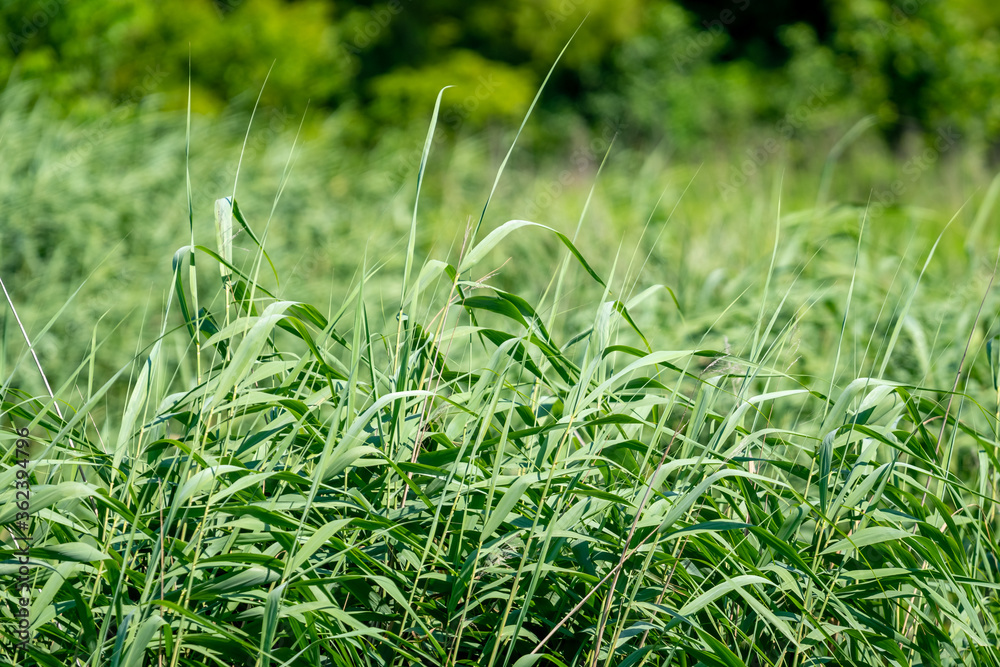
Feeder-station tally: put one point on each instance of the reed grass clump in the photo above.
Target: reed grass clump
(472, 483)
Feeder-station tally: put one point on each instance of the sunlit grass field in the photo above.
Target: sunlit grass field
(413, 407)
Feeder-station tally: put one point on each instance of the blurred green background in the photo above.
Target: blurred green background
(717, 112)
(682, 72)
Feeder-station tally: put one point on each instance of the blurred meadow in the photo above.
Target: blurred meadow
(772, 244)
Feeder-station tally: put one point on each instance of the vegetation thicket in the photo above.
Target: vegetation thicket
(699, 364)
(479, 478)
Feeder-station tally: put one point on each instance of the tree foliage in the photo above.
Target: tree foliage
(664, 68)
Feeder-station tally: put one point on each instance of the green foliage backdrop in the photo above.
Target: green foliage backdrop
(687, 71)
